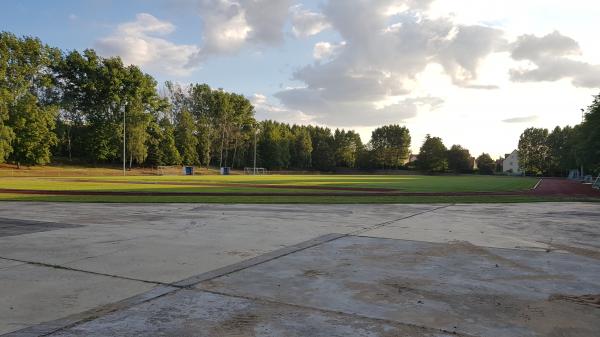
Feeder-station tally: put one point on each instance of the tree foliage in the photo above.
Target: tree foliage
(390, 146)
(485, 164)
(533, 151)
(459, 159)
(432, 155)
(27, 99)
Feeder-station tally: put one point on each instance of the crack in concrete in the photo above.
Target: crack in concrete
(56, 266)
(389, 222)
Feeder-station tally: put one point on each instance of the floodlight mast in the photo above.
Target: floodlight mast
(255, 133)
(123, 142)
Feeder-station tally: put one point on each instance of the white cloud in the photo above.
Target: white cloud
(325, 50)
(306, 23)
(524, 119)
(141, 42)
(266, 110)
(371, 80)
(551, 60)
(230, 25)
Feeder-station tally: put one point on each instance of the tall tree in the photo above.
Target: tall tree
(391, 145)
(28, 104)
(301, 147)
(432, 155)
(186, 139)
(323, 153)
(485, 164)
(167, 148)
(347, 146)
(533, 151)
(589, 138)
(274, 145)
(459, 159)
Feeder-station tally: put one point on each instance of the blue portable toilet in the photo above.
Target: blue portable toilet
(225, 171)
(188, 170)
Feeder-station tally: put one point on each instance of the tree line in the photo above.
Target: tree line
(74, 105)
(554, 153)
(80, 106)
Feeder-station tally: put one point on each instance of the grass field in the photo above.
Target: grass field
(288, 188)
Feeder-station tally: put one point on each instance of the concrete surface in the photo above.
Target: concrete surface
(193, 313)
(458, 287)
(118, 251)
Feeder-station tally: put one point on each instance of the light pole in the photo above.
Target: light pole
(123, 142)
(255, 133)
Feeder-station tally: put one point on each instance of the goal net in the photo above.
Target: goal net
(574, 175)
(167, 170)
(252, 170)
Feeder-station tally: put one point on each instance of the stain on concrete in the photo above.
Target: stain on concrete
(13, 227)
(458, 286)
(202, 314)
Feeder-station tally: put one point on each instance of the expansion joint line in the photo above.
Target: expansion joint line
(56, 266)
(389, 222)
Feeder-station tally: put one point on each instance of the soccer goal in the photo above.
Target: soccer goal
(596, 183)
(257, 170)
(164, 170)
(574, 174)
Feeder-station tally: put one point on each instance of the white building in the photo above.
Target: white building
(511, 163)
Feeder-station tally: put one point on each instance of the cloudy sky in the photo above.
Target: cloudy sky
(472, 72)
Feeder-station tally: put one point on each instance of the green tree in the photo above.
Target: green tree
(533, 151)
(186, 139)
(274, 145)
(432, 155)
(485, 164)
(562, 150)
(391, 145)
(459, 159)
(323, 153)
(33, 127)
(347, 147)
(161, 144)
(589, 138)
(27, 99)
(167, 148)
(301, 147)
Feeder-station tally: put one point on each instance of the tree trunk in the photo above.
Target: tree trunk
(222, 140)
(69, 142)
(234, 151)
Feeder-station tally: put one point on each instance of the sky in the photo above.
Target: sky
(475, 73)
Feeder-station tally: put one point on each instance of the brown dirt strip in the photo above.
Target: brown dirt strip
(547, 187)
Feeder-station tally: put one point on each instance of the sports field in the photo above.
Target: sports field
(277, 189)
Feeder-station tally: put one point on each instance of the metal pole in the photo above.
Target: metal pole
(123, 142)
(255, 132)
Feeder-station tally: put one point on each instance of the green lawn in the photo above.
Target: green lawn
(289, 184)
(239, 183)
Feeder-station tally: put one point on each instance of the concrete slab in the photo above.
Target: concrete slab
(525, 226)
(170, 242)
(197, 313)
(34, 294)
(167, 243)
(155, 243)
(455, 287)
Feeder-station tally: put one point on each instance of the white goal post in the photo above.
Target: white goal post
(257, 170)
(162, 170)
(596, 183)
